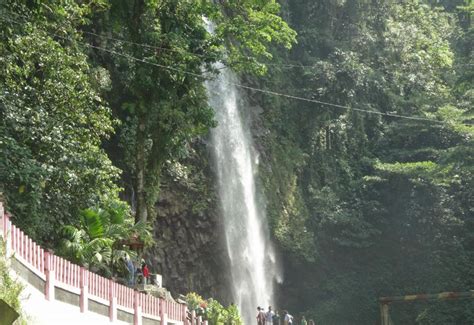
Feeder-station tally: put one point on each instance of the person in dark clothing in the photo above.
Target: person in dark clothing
(131, 271)
(276, 318)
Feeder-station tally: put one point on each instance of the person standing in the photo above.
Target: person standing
(303, 321)
(145, 272)
(131, 271)
(269, 316)
(276, 318)
(288, 319)
(260, 316)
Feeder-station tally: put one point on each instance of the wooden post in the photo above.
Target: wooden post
(384, 315)
(137, 319)
(112, 302)
(50, 277)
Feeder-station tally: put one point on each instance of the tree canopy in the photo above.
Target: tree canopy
(53, 118)
(369, 204)
(363, 122)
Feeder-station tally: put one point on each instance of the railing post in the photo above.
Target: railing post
(137, 319)
(112, 302)
(163, 314)
(84, 285)
(7, 234)
(2, 220)
(193, 317)
(4, 231)
(50, 276)
(184, 314)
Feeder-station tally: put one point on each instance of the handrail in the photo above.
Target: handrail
(58, 272)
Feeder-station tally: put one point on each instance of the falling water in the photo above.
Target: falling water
(252, 257)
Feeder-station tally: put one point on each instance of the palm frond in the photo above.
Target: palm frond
(92, 222)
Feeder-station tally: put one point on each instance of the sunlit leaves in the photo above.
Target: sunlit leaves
(99, 241)
(53, 121)
(250, 27)
(212, 311)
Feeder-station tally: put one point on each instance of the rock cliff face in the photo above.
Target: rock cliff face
(189, 250)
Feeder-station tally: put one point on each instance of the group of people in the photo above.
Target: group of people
(271, 317)
(135, 274)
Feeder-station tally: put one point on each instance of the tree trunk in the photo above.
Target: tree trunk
(142, 212)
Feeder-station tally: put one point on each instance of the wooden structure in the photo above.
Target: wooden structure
(385, 302)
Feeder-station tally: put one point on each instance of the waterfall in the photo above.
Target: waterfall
(252, 257)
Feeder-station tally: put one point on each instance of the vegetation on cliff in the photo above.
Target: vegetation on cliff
(103, 101)
(212, 310)
(365, 203)
(98, 98)
(10, 288)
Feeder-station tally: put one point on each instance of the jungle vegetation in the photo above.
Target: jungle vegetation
(369, 196)
(368, 205)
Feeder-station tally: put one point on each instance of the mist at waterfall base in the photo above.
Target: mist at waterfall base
(254, 268)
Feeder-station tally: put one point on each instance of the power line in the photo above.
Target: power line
(265, 91)
(181, 51)
(147, 45)
(293, 65)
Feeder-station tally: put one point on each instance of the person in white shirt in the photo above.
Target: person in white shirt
(288, 319)
(269, 316)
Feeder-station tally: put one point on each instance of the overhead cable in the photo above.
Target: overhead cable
(260, 90)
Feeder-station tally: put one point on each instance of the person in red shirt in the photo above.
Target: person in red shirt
(145, 272)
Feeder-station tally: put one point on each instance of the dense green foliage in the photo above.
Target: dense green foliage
(101, 242)
(80, 81)
(366, 205)
(362, 202)
(163, 104)
(52, 119)
(65, 62)
(10, 288)
(212, 310)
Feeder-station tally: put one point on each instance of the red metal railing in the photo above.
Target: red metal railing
(59, 272)
(25, 248)
(66, 272)
(124, 296)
